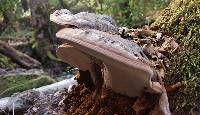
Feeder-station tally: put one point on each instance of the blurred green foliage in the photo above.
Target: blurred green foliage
(8, 5)
(11, 7)
(126, 12)
(130, 12)
(10, 31)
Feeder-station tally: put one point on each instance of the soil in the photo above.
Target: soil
(82, 100)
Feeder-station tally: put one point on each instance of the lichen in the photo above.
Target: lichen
(181, 18)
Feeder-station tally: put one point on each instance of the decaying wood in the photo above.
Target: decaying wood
(25, 99)
(18, 57)
(31, 72)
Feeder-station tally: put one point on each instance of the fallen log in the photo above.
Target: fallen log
(31, 72)
(24, 100)
(18, 57)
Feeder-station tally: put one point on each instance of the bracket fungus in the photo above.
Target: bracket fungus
(124, 67)
(84, 20)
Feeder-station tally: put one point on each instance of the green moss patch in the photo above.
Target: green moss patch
(182, 19)
(6, 62)
(10, 85)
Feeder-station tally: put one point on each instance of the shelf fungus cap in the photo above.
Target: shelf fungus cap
(127, 70)
(74, 57)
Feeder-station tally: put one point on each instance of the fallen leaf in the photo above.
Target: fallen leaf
(170, 45)
(149, 48)
(174, 87)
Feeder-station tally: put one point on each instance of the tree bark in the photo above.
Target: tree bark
(62, 4)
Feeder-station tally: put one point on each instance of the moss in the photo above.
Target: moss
(7, 82)
(10, 85)
(182, 19)
(6, 62)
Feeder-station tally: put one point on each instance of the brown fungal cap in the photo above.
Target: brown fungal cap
(125, 72)
(74, 57)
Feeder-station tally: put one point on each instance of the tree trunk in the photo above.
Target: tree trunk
(62, 4)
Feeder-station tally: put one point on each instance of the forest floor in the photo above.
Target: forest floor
(173, 50)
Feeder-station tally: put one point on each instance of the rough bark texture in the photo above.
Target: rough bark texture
(39, 7)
